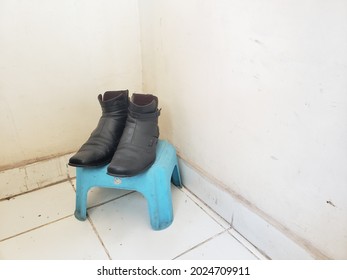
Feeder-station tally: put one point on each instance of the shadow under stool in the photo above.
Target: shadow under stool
(154, 184)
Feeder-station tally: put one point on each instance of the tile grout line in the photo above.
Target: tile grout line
(33, 190)
(70, 180)
(34, 228)
(201, 243)
(99, 238)
(248, 245)
(107, 201)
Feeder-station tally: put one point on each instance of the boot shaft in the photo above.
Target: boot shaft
(143, 103)
(114, 103)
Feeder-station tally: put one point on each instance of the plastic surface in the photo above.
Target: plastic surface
(154, 184)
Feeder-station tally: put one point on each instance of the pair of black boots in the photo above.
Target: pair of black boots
(126, 135)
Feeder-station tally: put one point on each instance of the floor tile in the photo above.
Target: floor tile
(221, 247)
(12, 182)
(66, 239)
(36, 208)
(124, 227)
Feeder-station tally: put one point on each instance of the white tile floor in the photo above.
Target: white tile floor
(41, 225)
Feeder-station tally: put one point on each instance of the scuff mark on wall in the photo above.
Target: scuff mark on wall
(330, 202)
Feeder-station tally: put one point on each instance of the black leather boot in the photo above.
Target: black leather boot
(137, 148)
(102, 143)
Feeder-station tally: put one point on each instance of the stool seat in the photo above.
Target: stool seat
(154, 184)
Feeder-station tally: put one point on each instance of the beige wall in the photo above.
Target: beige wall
(254, 92)
(55, 58)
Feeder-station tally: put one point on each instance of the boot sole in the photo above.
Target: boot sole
(90, 165)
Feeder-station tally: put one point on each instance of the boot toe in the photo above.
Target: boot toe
(127, 167)
(88, 159)
(77, 160)
(119, 171)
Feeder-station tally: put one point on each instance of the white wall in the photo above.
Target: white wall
(255, 94)
(55, 58)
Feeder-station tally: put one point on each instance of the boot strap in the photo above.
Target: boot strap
(143, 116)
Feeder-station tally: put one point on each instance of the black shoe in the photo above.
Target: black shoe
(137, 148)
(102, 143)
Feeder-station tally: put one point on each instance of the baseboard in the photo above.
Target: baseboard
(271, 240)
(36, 175)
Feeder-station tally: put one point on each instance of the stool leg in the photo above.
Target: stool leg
(176, 177)
(81, 206)
(159, 200)
(81, 197)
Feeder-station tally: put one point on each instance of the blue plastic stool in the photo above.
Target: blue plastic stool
(154, 184)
